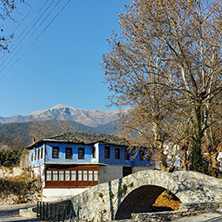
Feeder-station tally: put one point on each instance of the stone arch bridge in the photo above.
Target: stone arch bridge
(137, 192)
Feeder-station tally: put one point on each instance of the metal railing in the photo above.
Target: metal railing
(56, 212)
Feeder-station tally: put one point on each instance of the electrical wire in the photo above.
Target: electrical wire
(20, 24)
(9, 55)
(36, 39)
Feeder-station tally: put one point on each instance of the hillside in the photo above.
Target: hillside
(23, 130)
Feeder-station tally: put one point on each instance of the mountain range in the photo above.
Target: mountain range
(92, 118)
(57, 117)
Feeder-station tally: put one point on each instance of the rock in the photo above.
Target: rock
(28, 213)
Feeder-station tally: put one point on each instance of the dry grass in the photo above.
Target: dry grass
(168, 200)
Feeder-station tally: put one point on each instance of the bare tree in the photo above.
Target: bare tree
(6, 9)
(168, 53)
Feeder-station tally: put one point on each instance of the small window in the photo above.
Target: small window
(61, 175)
(48, 175)
(117, 153)
(32, 157)
(35, 154)
(41, 152)
(126, 154)
(67, 175)
(80, 175)
(38, 154)
(73, 175)
(54, 175)
(107, 152)
(55, 152)
(90, 175)
(68, 153)
(95, 176)
(81, 153)
(84, 175)
(94, 152)
(142, 155)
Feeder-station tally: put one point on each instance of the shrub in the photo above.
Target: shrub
(10, 157)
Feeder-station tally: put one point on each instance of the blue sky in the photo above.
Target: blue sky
(62, 66)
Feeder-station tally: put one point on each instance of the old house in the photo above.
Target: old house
(69, 163)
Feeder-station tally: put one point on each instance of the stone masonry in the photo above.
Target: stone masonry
(136, 193)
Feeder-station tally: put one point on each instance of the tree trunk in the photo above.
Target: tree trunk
(212, 166)
(197, 163)
(185, 161)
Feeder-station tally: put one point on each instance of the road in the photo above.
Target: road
(11, 213)
(207, 217)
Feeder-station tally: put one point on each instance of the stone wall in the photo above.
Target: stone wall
(189, 209)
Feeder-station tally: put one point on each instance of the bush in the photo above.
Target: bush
(19, 188)
(10, 157)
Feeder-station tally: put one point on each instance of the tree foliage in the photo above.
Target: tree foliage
(166, 62)
(10, 157)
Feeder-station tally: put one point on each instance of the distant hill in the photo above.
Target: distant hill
(92, 118)
(22, 130)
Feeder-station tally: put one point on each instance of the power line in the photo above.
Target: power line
(36, 39)
(26, 15)
(22, 22)
(9, 55)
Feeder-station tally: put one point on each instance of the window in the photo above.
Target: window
(94, 152)
(95, 176)
(55, 152)
(107, 152)
(142, 155)
(38, 154)
(35, 154)
(61, 175)
(81, 153)
(68, 153)
(90, 175)
(73, 175)
(84, 175)
(79, 174)
(117, 153)
(41, 152)
(31, 156)
(67, 175)
(54, 175)
(48, 175)
(126, 154)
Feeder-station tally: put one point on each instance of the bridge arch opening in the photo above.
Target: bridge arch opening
(139, 200)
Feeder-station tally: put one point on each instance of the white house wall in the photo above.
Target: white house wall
(96, 159)
(137, 169)
(40, 171)
(110, 172)
(55, 193)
